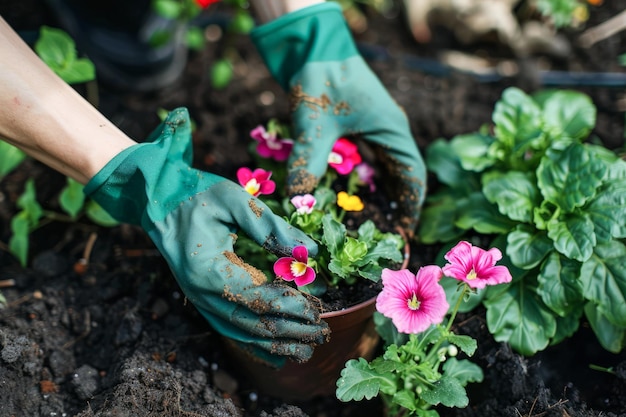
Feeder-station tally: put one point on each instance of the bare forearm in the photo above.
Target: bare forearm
(267, 10)
(49, 120)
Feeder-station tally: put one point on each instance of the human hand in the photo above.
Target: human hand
(192, 217)
(334, 93)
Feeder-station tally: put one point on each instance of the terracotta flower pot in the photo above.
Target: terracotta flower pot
(353, 335)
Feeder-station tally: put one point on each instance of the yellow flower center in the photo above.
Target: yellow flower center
(413, 303)
(349, 202)
(471, 275)
(298, 268)
(252, 186)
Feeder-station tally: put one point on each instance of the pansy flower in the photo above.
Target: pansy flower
(256, 182)
(365, 173)
(271, 146)
(349, 202)
(344, 156)
(413, 302)
(475, 266)
(303, 203)
(296, 267)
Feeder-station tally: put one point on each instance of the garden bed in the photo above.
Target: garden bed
(118, 338)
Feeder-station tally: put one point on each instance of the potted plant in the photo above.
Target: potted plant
(345, 274)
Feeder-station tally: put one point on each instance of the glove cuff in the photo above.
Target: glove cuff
(144, 183)
(313, 34)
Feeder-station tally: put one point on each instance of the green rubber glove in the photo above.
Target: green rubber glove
(334, 93)
(192, 217)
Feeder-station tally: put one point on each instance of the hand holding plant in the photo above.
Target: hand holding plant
(419, 368)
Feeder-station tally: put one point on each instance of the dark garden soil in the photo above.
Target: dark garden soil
(115, 337)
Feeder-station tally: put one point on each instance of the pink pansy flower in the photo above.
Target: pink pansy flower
(295, 268)
(475, 266)
(413, 302)
(303, 203)
(344, 156)
(366, 175)
(270, 146)
(256, 182)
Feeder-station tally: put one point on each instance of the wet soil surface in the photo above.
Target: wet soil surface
(116, 337)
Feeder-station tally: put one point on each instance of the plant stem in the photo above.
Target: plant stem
(456, 307)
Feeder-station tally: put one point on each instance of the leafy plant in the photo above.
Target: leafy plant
(556, 202)
(565, 13)
(57, 49)
(419, 368)
(345, 254)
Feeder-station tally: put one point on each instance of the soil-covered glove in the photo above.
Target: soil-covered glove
(334, 93)
(192, 217)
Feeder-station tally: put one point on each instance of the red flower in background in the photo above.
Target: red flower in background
(205, 3)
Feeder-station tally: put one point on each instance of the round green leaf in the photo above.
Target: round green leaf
(514, 192)
(518, 316)
(573, 236)
(527, 247)
(559, 285)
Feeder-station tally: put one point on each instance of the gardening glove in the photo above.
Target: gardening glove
(192, 217)
(333, 93)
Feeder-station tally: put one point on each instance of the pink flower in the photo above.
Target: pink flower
(475, 266)
(344, 156)
(366, 175)
(256, 182)
(413, 302)
(270, 146)
(295, 268)
(303, 203)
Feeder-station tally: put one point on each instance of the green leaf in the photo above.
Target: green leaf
(527, 247)
(169, 9)
(472, 151)
(560, 12)
(604, 281)
(567, 326)
(446, 391)
(608, 210)
(29, 204)
(517, 120)
(18, 243)
(436, 223)
(517, 315)
(194, 38)
(479, 214)
(81, 71)
(98, 215)
(241, 23)
(467, 344)
(515, 193)
(334, 234)
(463, 371)
(573, 236)
(221, 73)
(441, 159)
(359, 381)
(57, 49)
(72, 197)
(569, 177)
(10, 158)
(569, 113)
(559, 285)
(610, 336)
